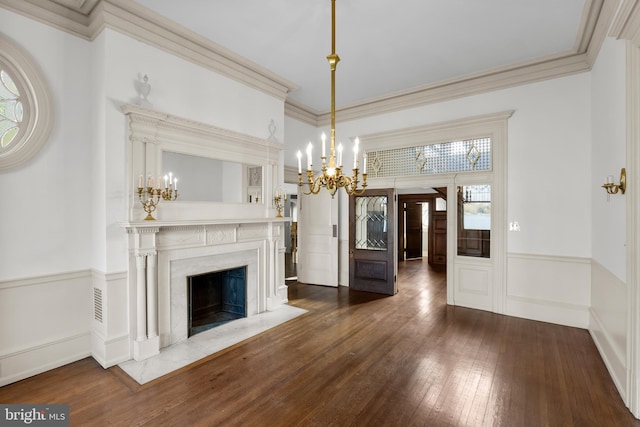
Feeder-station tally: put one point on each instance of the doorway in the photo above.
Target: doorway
(422, 226)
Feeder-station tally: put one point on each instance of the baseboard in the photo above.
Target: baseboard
(549, 288)
(548, 311)
(25, 363)
(612, 356)
(110, 352)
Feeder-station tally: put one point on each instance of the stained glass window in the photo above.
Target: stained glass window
(449, 157)
(11, 110)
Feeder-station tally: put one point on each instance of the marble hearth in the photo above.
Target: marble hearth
(164, 253)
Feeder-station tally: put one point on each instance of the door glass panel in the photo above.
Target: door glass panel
(474, 220)
(371, 223)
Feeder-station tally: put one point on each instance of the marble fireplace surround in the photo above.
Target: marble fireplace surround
(164, 253)
(181, 269)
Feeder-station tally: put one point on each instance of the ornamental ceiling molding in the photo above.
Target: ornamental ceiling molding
(627, 22)
(87, 18)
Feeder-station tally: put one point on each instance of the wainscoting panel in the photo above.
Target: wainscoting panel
(45, 322)
(551, 289)
(110, 338)
(608, 322)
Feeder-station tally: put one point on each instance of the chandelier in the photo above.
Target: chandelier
(331, 176)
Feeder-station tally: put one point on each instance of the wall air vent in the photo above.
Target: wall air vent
(97, 304)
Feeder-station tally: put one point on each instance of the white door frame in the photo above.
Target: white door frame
(491, 125)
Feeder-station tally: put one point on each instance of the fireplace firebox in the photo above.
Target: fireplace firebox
(216, 298)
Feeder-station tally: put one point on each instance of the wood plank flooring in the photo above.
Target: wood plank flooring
(359, 359)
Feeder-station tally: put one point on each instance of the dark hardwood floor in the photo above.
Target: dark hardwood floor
(358, 359)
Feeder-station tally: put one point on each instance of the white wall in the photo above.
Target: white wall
(46, 203)
(45, 230)
(62, 212)
(549, 186)
(608, 321)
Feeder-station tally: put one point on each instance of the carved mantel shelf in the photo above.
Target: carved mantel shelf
(159, 224)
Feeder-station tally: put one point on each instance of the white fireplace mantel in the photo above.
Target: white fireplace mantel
(163, 253)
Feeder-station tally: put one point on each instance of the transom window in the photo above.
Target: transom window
(449, 157)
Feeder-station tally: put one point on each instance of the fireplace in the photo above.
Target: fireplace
(216, 298)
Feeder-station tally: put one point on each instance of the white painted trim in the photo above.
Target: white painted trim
(550, 258)
(46, 279)
(542, 307)
(633, 227)
(134, 20)
(489, 125)
(37, 123)
(614, 364)
(24, 363)
(543, 310)
(604, 312)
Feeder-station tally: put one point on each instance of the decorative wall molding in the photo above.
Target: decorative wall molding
(608, 323)
(435, 133)
(549, 288)
(632, 195)
(142, 24)
(60, 334)
(196, 138)
(24, 363)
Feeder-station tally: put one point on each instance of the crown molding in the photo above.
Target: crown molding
(87, 18)
(140, 23)
(627, 22)
(301, 113)
(53, 14)
(595, 22)
(507, 77)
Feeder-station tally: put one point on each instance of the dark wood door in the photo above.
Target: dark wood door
(413, 242)
(438, 237)
(371, 242)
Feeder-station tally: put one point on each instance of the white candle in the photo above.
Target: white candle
(150, 181)
(309, 151)
(364, 163)
(340, 154)
(299, 156)
(609, 179)
(355, 156)
(159, 182)
(170, 178)
(166, 180)
(324, 138)
(175, 184)
(140, 181)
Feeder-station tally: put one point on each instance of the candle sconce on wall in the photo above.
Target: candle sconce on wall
(612, 188)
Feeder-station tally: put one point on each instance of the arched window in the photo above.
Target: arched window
(26, 114)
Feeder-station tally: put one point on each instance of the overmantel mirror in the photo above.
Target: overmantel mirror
(204, 179)
(214, 166)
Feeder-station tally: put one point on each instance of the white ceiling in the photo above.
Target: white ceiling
(385, 47)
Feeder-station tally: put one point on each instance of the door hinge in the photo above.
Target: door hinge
(335, 230)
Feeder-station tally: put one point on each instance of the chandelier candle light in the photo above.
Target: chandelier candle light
(151, 195)
(331, 177)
